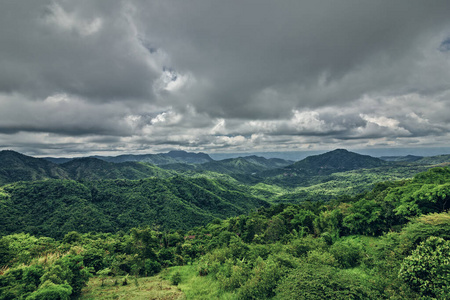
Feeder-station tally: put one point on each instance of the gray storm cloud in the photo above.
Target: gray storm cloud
(141, 76)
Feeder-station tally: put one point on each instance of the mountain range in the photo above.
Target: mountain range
(39, 196)
(248, 169)
(172, 157)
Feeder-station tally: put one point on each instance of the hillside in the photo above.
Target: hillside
(55, 207)
(16, 167)
(407, 158)
(171, 157)
(389, 243)
(339, 160)
(315, 169)
(240, 165)
(95, 169)
(434, 160)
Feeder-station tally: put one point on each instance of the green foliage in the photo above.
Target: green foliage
(364, 218)
(353, 247)
(57, 207)
(176, 278)
(69, 269)
(418, 230)
(330, 222)
(103, 274)
(151, 267)
(263, 279)
(51, 291)
(348, 253)
(65, 276)
(427, 269)
(312, 281)
(18, 167)
(5, 252)
(72, 237)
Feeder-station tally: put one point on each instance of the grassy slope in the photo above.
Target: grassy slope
(141, 288)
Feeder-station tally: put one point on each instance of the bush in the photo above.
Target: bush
(323, 282)
(151, 267)
(348, 253)
(262, 280)
(427, 269)
(51, 291)
(176, 278)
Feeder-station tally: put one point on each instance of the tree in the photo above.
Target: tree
(427, 269)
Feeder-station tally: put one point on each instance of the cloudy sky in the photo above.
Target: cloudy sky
(113, 77)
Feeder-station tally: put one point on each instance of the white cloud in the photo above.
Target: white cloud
(71, 22)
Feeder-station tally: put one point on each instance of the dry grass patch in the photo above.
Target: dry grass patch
(141, 288)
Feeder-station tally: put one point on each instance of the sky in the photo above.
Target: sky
(92, 77)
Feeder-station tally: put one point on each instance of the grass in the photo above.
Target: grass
(143, 288)
(191, 286)
(198, 287)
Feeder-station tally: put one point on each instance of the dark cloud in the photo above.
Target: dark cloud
(84, 48)
(144, 76)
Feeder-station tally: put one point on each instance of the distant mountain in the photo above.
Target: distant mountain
(17, 167)
(407, 158)
(189, 157)
(434, 160)
(315, 169)
(233, 165)
(90, 168)
(156, 159)
(241, 165)
(57, 160)
(339, 160)
(269, 163)
(172, 157)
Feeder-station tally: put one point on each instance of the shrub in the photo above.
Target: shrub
(427, 269)
(51, 291)
(176, 278)
(348, 253)
(323, 282)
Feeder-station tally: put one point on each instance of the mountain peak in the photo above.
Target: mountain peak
(189, 157)
(339, 150)
(338, 160)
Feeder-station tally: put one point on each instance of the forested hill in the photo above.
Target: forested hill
(55, 207)
(240, 165)
(171, 157)
(95, 169)
(313, 168)
(16, 167)
(390, 243)
(339, 160)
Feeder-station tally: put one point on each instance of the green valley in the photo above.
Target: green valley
(338, 225)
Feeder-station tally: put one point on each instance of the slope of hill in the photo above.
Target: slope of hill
(338, 160)
(240, 165)
(390, 243)
(189, 157)
(161, 158)
(407, 158)
(434, 160)
(315, 169)
(55, 207)
(16, 167)
(90, 168)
